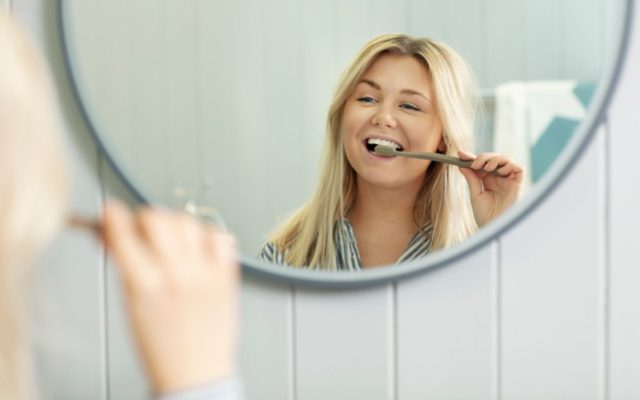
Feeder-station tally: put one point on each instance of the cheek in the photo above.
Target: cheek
(431, 133)
(346, 140)
(343, 133)
(350, 144)
(353, 120)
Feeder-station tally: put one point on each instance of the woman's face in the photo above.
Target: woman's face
(392, 104)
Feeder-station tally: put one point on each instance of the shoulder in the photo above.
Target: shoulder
(420, 245)
(271, 253)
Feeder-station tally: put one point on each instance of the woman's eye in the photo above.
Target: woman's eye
(366, 99)
(409, 106)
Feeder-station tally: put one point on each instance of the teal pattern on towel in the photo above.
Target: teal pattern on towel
(555, 137)
(584, 92)
(550, 145)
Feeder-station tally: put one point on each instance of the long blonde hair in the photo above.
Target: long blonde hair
(443, 201)
(32, 192)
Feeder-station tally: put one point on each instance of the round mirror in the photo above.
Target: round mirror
(221, 107)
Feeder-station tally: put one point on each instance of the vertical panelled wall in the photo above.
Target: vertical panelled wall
(546, 311)
(622, 188)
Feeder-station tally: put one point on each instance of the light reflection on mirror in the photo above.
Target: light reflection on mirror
(233, 96)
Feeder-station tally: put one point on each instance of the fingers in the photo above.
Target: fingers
(161, 241)
(172, 236)
(221, 250)
(219, 245)
(510, 169)
(488, 162)
(122, 239)
(492, 163)
(465, 155)
(158, 233)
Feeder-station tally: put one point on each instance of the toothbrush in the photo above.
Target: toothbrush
(390, 151)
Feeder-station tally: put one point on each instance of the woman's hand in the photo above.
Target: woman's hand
(494, 184)
(180, 279)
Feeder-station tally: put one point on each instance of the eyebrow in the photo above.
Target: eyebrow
(403, 91)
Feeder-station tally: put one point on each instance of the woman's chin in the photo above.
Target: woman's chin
(388, 183)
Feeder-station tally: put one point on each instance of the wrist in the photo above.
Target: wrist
(184, 377)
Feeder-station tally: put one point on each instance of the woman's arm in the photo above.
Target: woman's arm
(180, 281)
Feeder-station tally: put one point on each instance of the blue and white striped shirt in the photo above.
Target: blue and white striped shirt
(347, 255)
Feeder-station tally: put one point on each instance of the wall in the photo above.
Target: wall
(548, 310)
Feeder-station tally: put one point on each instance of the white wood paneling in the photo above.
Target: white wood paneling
(505, 54)
(583, 39)
(147, 74)
(240, 128)
(384, 17)
(181, 97)
(344, 344)
(267, 340)
(279, 124)
(125, 376)
(446, 330)
(543, 47)
(125, 373)
(466, 31)
(69, 329)
(428, 18)
(550, 264)
(613, 12)
(623, 194)
(215, 94)
(347, 38)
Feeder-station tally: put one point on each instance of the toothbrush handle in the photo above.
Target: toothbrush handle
(435, 157)
(440, 158)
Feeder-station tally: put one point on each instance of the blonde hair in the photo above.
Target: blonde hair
(32, 192)
(443, 201)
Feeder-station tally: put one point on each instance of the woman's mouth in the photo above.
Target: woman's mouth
(371, 144)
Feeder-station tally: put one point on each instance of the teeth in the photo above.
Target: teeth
(383, 142)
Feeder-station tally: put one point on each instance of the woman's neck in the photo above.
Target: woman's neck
(383, 222)
(384, 206)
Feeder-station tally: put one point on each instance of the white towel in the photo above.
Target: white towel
(524, 109)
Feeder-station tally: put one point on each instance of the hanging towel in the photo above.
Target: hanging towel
(535, 119)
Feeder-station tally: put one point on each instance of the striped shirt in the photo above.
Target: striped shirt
(347, 255)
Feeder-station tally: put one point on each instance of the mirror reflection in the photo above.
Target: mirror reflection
(369, 209)
(268, 113)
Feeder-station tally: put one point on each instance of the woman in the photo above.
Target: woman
(179, 277)
(368, 210)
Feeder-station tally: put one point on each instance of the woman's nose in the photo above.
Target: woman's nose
(384, 117)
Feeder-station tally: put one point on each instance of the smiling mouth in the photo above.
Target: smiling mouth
(371, 144)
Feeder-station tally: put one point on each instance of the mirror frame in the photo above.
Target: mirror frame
(388, 274)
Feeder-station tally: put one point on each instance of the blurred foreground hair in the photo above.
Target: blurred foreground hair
(33, 192)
